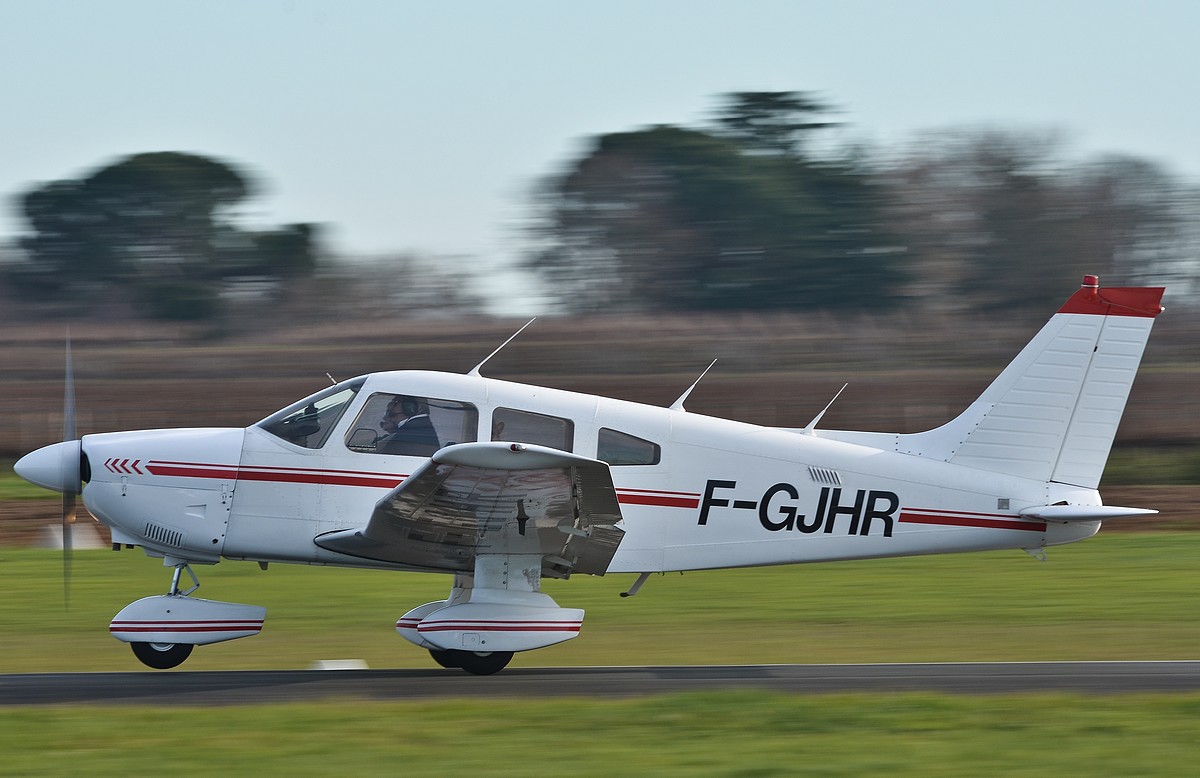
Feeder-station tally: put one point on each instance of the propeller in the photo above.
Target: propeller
(72, 480)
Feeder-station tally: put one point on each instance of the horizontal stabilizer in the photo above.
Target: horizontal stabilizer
(1084, 512)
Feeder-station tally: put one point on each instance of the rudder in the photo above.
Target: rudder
(1052, 414)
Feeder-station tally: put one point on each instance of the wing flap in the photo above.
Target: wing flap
(494, 498)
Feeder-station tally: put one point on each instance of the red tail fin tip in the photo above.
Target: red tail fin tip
(1143, 301)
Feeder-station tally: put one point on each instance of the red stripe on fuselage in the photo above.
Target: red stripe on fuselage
(185, 470)
(659, 500)
(291, 475)
(965, 519)
(329, 478)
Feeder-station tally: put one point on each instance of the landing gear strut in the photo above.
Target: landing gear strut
(164, 656)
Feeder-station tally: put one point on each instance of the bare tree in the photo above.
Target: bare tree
(1001, 219)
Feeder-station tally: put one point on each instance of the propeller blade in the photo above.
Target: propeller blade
(70, 488)
(68, 519)
(69, 397)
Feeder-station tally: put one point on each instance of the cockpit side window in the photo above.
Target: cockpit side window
(410, 425)
(621, 448)
(309, 422)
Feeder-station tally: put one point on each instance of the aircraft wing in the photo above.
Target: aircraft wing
(494, 498)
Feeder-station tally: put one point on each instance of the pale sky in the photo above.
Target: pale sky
(422, 127)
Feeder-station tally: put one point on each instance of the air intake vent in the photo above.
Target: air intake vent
(162, 536)
(825, 476)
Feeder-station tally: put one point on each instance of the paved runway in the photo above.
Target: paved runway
(225, 688)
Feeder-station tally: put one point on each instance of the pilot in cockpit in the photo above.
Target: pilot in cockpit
(407, 428)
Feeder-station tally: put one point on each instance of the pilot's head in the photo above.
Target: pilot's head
(399, 410)
(409, 406)
(392, 416)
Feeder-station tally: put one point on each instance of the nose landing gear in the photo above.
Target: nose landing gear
(162, 630)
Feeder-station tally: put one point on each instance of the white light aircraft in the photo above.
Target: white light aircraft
(502, 484)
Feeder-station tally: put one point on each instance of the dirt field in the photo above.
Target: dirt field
(906, 372)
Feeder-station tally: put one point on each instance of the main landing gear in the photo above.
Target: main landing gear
(490, 615)
(162, 630)
(162, 656)
(473, 662)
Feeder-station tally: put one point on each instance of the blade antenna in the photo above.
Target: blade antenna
(678, 404)
(812, 425)
(70, 490)
(475, 370)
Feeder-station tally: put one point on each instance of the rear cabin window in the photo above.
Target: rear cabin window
(621, 448)
(410, 425)
(537, 428)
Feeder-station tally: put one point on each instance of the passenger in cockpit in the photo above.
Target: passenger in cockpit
(407, 428)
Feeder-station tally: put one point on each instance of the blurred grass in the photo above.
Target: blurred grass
(725, 733)
(13, 487)
(1120, 596)
(1153, 465)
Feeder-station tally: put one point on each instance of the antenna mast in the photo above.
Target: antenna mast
(475, 370)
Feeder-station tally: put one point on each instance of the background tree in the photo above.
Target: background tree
(1145, 221)
(1003, 219)
(735, 217)
(284, 254)
(157, 227)
(397, 286)
(771, 122)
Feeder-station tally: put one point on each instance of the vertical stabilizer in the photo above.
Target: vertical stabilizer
(1053, 413)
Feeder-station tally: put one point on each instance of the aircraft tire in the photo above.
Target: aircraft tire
(445, 659)
(162, 656)
(482, 664)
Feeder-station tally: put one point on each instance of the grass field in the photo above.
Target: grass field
(1121, 596)
(731, 733)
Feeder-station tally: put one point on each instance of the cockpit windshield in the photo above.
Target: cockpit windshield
(309, 422)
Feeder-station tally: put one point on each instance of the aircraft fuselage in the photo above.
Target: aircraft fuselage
(695, 491)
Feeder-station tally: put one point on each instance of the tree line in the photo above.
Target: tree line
(158, 228)
(753, 210)
(749, 213)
